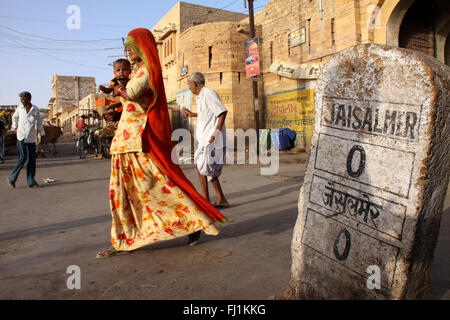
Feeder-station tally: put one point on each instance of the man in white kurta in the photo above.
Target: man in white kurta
(25, 120)
(210, 134)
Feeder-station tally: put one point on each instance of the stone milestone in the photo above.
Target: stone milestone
(371, 203)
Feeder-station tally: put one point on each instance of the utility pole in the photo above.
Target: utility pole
(254, 79)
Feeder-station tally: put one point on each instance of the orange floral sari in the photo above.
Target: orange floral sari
(150, 197)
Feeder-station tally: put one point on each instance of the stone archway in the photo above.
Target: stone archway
(443, 41)
(417, 30)
(394, 13)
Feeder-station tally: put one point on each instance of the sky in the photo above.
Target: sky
(42, 38)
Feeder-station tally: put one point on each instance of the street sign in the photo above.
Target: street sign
(377, 176)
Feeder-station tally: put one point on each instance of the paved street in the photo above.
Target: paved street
(64, 223)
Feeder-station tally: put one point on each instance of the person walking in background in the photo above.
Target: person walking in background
(25, 120)
(81, 123)
(2, 140)
(150, 197)
(210, 134)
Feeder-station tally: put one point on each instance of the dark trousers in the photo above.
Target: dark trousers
(2, 148)
(27, 153)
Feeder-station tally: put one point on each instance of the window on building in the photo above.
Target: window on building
(271, 52)
(221, 77)
(309, 35)
(333, 41)
(209, 56)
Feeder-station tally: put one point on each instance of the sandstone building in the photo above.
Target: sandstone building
(67, 94)
(290, 66)
(176, 50)
(296, 38)
(167, 33)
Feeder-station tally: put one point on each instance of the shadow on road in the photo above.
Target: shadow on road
(16, 234)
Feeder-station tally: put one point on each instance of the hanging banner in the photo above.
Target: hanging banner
(252, 58)
(184, 101)
(293, 109)
(297, 37)
(296, 71)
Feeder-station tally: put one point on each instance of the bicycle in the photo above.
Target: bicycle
(87, 142)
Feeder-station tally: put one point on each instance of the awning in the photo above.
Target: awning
(296, 71)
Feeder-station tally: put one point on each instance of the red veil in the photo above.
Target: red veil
(157, 134)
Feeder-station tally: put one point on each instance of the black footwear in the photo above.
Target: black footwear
(193, 238)
(12, 184)
(34, 185)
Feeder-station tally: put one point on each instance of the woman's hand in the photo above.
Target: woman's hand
(111, 115)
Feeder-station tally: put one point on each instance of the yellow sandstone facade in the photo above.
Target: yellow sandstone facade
(68, 91)
(296, 38)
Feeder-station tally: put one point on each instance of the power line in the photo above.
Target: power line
(8, 36)
(16, 41)
(60, 59)
(57, 40)
(64, 22)
(228, 4)
(214, 10)
(245, 11)
(59, 49)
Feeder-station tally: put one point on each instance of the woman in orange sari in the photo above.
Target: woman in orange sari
(150, 197)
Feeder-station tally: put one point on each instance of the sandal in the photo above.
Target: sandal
(193, 238)
(215, 204)
(109, 252)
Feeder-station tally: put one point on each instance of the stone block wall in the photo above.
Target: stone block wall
(166, 33)
(192, 14)
(329, 28)
(68, 91)
(181, 17)
(217, 50)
